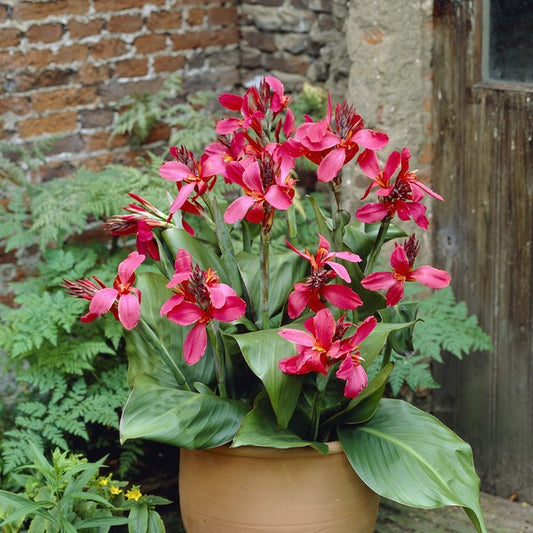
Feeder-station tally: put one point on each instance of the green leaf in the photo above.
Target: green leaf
(138, 519)
(393, 232)
(179, 418)
(373, 344)
(407, 455)
(401, 341)
(260, 428)
(154, 348)
(24, 507)
(201, 252)
(155, 523)
(363, 407)
(102, 521)
(263, 350)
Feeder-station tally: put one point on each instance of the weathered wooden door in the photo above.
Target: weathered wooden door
(483, 62)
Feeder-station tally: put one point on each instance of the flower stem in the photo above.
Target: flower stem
(220, 364)
(265, 261)
(378, 244)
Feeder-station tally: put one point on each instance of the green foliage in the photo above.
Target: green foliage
(190, 119)
(448, 327)
(16, 161)
(68, 494)
(54, 211)
(445, 325)
(56, 409)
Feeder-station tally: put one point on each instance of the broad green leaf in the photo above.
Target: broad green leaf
(260, 428)
(358, 241)
(179, 418)
(154, 347)
(138, 519)
(373, 344)
(401, 341)
(155, 523)
(263, 350)
(363, 407)
(201, 252)
(393, 232)
(407, 455)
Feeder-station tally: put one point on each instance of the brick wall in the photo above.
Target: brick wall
(65, 63)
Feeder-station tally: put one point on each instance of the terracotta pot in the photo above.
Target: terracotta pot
(265, 490)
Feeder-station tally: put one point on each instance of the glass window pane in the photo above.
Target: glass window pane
(509, 40)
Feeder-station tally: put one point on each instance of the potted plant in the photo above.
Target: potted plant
(243, 344)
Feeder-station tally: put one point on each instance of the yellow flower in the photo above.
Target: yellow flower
(134, 494)
(114, 489)
(104, 481)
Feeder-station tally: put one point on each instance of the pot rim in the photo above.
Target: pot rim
(334, 447)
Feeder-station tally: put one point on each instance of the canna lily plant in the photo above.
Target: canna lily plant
(236, 336)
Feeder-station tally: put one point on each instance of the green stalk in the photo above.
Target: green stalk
(378, 244)
(265, 261)
(220, 363)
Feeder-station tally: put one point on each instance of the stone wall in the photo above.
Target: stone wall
(65, 63)
(295, 40)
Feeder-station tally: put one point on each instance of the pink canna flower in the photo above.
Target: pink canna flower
(324, 346)
(122, 300)
(199, 298)
(401, 196)
(402, 260)
(331, 147)
(190, 175)
(141, 221)
(316, 290)
(267, 184)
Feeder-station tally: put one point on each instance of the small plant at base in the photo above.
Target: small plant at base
(68, 494)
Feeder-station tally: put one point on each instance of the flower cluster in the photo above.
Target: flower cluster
(212, 293)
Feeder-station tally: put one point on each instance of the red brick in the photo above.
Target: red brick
(101, 140)
(31, 10)
(9, 37)
(107, 48)
(55, 123)
(115, 90)
(169, 63)
(90, 74)
(119, 5)
(45, 33)
(222, 16)
(44, 78)
(3, 12)
(79, 30)
(131, 67)
(72, 53)
(18, 105)
(63, 98)
(146, 44)
(203, 39)
(125, 24)
(160, 132)
(195, 17)
(164, 20)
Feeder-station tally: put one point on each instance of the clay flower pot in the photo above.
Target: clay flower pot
(266, 490)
